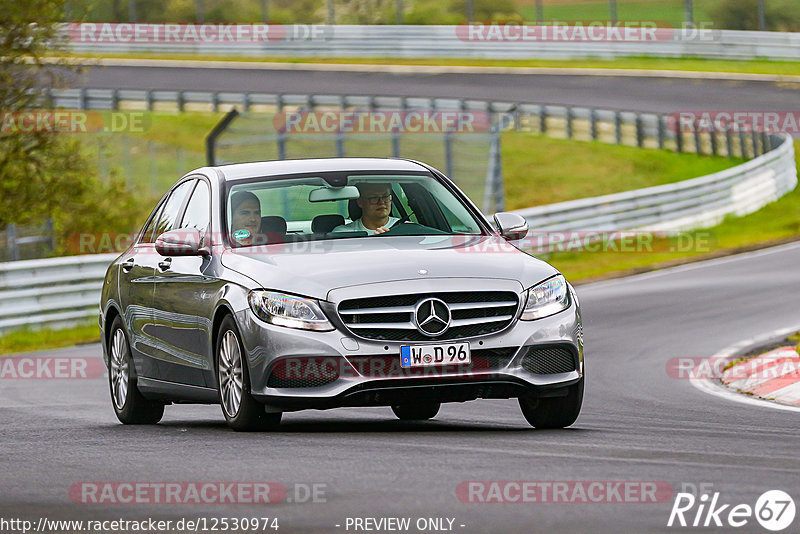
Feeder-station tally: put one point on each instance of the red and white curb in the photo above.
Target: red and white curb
(773, 376)
(714, 387)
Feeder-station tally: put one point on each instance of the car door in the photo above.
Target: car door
(136, 295)
(158, 349)
(184, 291)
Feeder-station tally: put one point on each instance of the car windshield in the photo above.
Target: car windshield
(280, 210)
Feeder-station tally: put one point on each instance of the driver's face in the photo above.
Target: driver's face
(376, 201)
(247, 216)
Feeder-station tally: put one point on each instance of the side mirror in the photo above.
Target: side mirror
(511, 225)
(184, 242)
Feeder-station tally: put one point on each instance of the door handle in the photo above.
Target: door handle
(127, 265)
(164, 264)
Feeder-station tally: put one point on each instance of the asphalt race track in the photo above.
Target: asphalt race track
(638, 424)
(613, 92)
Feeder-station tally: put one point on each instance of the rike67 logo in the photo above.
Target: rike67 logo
(774, 510)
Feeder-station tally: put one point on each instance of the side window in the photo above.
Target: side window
(197, 214)
(147, 233)
(172, 207)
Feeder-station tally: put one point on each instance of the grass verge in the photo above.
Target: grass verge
(45, 339)
(542, 170)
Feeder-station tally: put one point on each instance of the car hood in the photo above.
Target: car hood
(314, 268)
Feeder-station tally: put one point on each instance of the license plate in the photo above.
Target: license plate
(431, 355)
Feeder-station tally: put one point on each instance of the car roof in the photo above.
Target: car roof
(240, 171)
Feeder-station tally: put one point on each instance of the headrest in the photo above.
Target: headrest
(322, 224)
(273, 224)
(353, 210)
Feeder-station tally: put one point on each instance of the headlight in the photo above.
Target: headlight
(547, 298)
(288, 310)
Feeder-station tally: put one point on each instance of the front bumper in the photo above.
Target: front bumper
(297, 369)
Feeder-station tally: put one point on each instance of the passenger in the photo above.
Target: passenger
(245, 218)
(375, 202)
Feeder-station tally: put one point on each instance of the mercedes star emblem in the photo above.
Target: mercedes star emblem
(432, 317)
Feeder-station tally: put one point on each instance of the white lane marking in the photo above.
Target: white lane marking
(713, 388)
(692, 266)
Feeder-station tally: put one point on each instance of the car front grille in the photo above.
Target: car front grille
(388, 366)
(548, 360)
(390, 318)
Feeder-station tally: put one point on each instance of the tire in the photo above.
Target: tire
(242, 412)
(128, 403)
(416, 412)
(553, 412)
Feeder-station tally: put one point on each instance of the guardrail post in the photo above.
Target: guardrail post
(279, 102)
(49, 101)
(215, 101)
(754, 140)
(281, 144)
(712, 135)
(339, 143)
(396, 133)
(11, 238)
(729, 141)
(542, 119)
(698, 143)
(181, 101)
(660, 120)
(593, 123)
(246, 101)
(742, 144)
(82, 98)
(679, 140)
(448, 153)
(568, 119)
(517, 117)
(639, 130)
(115, 99)
(618, 127)
(151, 100)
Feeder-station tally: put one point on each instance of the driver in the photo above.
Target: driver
(375, 202)
(245, 217)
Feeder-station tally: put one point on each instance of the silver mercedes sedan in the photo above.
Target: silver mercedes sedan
(287, 285)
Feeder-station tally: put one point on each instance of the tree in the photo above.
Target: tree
(37, 170)
(47, 175)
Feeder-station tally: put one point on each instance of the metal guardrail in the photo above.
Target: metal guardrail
(53, 292)
(696, 203)
(456, 41)
(645, 130)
